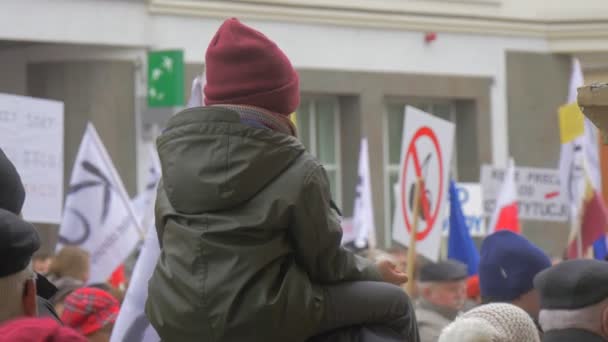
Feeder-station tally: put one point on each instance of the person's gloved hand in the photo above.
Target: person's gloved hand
(390, 273)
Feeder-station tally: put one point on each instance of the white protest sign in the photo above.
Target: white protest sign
(98, 215)
(471, 199)
(426, 152)
(538, 193)
(31, 135)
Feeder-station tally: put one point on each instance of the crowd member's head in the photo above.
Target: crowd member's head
(444, 284)
(70, 263)
(37, 330)
(91, 312)
(18, 242)
(574, 301)
(12, 195)
(42, 263)
(499, 322)
(507, 266)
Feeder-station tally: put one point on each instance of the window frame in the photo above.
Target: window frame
(336, 167)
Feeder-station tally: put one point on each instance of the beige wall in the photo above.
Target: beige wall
(537, 85)
(596, 76)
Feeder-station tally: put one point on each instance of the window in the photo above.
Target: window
(392, 155)
(318, 129)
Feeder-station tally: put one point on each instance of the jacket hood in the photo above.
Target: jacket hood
(212, 162)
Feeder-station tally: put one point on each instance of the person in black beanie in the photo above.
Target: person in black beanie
(12, 198)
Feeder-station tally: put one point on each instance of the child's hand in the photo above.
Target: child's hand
(390, 273)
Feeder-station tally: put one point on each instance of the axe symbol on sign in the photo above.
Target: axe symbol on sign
(411, 199)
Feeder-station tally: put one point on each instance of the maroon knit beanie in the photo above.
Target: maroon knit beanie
(244, 67)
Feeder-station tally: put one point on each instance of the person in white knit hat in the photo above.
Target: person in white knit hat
(498, 322)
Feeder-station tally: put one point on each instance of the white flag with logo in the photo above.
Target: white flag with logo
(98, 216)
(132, 324)
(143, 203)
(363, 216)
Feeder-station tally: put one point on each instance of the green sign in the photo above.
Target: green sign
(166, 78)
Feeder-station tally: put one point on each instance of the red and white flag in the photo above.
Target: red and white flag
(505, 215)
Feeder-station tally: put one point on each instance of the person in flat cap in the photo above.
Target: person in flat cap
(508, 264)
(574, 301)
(12, 198)
(18, 242)
(442, 294)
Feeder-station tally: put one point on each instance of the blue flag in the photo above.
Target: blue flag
(461, 246)
(599, 248)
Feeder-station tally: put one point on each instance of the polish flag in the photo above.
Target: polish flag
(505, 215)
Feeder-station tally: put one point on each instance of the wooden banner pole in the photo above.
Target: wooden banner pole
(411, 251)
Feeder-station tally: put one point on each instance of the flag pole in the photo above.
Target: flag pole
(411, 252)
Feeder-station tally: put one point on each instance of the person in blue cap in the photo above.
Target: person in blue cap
(507, 267)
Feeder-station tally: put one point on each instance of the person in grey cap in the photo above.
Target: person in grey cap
(574, 301)
(442, 291)
(18, 242)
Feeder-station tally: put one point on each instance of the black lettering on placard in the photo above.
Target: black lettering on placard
(41, 190)
(489, 206)
(498, 174)
(35, 120)
(543, 178)
(541, 209)
(7, 116)
(39, 159)
(525, 190)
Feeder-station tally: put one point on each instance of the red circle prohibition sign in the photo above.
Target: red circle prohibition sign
(413, 153)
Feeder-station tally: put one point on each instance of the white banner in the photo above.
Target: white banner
(132, 324)
(426, 152)
(471, 199)
(31, 135)
(98, 216)
(538, 193)
(362, 231)
(143, 203)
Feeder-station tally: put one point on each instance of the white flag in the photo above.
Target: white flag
(586, 144)
(506, 216)
(143, 203)
(363, 216)
(132, 324)
(197, 97)
(98, 216)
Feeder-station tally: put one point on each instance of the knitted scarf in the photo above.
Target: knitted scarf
(261, 118)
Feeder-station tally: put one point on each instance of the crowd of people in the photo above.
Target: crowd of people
(250, 244)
